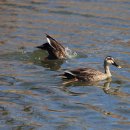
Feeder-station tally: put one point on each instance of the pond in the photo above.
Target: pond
(32, 97)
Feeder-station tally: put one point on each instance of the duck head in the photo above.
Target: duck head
(111, 61)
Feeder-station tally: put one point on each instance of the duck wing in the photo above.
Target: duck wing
(53, 43)
(57, 48)
(85, 74)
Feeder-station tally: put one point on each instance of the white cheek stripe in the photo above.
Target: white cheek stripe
(111, 62)
(50, 43)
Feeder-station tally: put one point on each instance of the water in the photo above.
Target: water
(31, 96)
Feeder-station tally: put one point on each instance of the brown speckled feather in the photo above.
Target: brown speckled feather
(88, 74)
(58, 50)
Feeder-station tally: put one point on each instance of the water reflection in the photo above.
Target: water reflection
(104, 85)
(116, 90)
(110, 90)
(68, 86)
(52, 65)
(39, 58)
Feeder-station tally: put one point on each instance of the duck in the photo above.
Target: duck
(90, 74)
(54, 49)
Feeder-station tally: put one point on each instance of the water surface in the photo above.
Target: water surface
(31, 96)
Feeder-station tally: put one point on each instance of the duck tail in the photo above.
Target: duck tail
(48, 36)
(69, 75)
(66, 75)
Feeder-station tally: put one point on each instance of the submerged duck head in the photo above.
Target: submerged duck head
(109, 60)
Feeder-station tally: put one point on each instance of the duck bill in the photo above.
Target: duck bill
(115, 64)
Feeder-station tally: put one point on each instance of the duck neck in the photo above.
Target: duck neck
(107, 69)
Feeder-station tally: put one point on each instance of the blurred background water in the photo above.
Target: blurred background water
(31, 97)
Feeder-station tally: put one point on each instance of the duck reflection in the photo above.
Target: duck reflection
(68, 85)
(105, 86)
(38, 59)
(52, 65)
(110, 90)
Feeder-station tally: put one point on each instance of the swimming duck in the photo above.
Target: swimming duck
(54, 49)
(89, 74)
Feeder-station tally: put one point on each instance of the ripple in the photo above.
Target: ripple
(32, 96)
